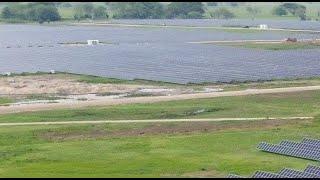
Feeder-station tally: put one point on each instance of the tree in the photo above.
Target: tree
(212, 3)
(296, 10)
(47, 14)
(234, 4)
(194, 15)
(83, 11)
(279, 11)
(88, 9)
(253, 11)
(6, 13)
(181, 9)
(66, 5)
(222, 13)
(301, 13)
(40, 12)
(293, 8)
(100, 12)
(138, 10)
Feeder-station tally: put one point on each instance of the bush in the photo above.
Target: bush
(182, 9)
(212, 3)
(100, 12)
(279, 11)
(138, 10)
(222, 13)
(194, 15)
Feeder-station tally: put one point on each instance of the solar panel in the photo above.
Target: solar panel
(263, 174)
(296, 174)
(234, 176)
(313, 169)
(315, 142)
(299, 145)
(290, 151)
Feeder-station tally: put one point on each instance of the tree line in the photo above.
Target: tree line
(47, 12)
(40, 12)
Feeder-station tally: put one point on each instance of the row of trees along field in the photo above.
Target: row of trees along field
(40, 12)
(47, 12)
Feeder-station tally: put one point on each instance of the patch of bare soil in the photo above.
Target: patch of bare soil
(52, 84)
(167, 128)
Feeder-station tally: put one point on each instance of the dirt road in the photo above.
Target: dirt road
(249, 40)
(153, 120)
(152, 99)
(190, 27)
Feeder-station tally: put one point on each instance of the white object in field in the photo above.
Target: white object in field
(155, 90)
(213, 89)
(92, 42)
(263, 26)
(52, 71)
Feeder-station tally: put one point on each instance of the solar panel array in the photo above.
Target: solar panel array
(295, 173)
(307, 148)
(315, 142)
(234, 176)
(289, 151)
(263, 174)
(311, 171)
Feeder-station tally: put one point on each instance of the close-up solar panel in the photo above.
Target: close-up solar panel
(297, 174)
(315, 142)
(313, 169)
(299, 145)
(263, 174)
(285, 150)
(234, 176)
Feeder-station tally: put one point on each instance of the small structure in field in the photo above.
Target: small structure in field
(52, 71)
(92, 42)
(263, 26)
(291, 40)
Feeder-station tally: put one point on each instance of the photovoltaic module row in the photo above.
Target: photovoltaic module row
(297, 174)
(311, 171)
(289, 151)
(307, 148)
(315, 142)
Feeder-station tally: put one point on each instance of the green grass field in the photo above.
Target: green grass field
(5, 100)
(110, 150)
(274, 46)
(27, 152)
(242, 106)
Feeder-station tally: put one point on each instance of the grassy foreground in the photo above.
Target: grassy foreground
(112, 150)
(269, 105)
(28, 152)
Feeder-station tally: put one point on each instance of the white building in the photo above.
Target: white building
(263, 26)
(92, 42)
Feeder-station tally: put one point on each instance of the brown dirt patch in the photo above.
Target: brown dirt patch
(99, 131)
(55, 84)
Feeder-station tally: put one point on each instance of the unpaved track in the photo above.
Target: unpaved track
(249, 40)
(108, 102)
(191, 27)
(152, 121)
